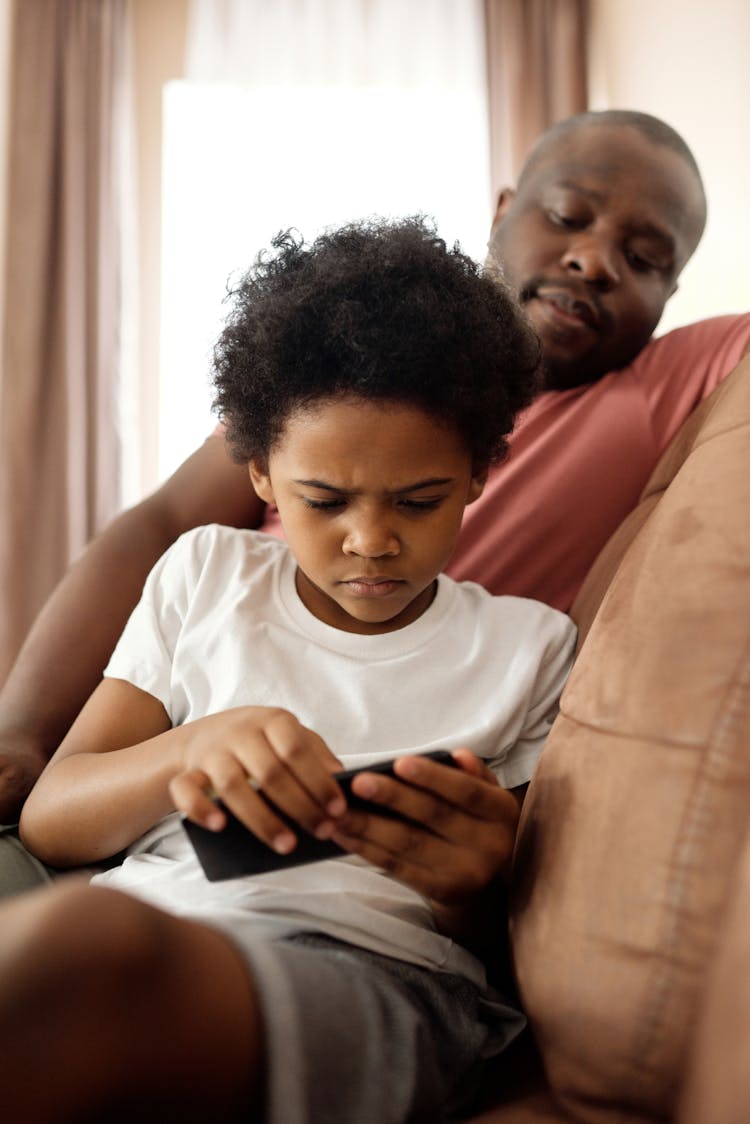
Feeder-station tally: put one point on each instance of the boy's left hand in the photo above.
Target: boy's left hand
(466, 842)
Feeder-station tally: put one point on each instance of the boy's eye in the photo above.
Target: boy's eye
(405, 503)
(322, 505)
(420, 505)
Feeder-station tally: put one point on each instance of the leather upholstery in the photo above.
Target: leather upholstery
(637, 817)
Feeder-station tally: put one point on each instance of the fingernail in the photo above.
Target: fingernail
(283, 843)
(336, 807)
(324, 830)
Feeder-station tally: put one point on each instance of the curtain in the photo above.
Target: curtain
(535, 54)
(399, 43)
(59, 452)
(536, 66)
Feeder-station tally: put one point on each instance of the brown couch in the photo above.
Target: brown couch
(630, 904)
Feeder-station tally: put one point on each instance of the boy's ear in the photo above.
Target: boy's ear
(477, 483)
(261, 481)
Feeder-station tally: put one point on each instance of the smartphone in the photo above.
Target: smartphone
(235, 851)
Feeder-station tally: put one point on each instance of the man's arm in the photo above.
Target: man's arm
(73, 637)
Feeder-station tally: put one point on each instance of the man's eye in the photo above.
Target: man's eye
(567, 222)
(641, 264)
(322, 505)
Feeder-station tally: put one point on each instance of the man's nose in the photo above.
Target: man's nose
(593, 260)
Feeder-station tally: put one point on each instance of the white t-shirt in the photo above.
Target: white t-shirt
(220, 624)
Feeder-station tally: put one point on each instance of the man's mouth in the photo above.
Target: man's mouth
(567, 306)
(570, 308)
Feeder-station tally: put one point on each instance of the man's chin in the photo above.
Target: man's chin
(564, 372)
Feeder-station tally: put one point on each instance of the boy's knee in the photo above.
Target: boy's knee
(78, 933)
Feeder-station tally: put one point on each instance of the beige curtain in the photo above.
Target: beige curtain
(536, 52)
(59, 451)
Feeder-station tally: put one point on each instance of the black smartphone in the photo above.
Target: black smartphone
(235, 851)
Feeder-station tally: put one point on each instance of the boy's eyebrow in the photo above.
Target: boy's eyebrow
(420, 485)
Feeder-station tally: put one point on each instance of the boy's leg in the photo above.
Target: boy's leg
(111, 1009)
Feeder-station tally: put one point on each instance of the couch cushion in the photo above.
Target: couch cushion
(639, 806)
(718, 1082)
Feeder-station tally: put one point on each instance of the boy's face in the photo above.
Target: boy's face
(593, 241)
(371, 498)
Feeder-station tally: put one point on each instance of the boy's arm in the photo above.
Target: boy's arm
(71, 641)
(123, 767)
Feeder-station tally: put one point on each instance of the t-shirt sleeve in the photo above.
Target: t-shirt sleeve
(514, 766)
(678, 370)
(144, 653)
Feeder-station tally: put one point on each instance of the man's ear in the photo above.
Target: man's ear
(504, 200)
(477, 483)
(261, 481)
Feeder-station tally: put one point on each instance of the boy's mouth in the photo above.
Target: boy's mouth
(372, 587)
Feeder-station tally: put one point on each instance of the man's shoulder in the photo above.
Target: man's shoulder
(721, 339)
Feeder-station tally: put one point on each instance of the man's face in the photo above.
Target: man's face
(371, 498)
(593, 241)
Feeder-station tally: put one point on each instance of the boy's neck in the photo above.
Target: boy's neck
(325, 609)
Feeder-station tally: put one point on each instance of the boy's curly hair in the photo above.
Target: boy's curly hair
(378, 310)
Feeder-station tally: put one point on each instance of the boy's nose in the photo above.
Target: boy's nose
(593, 260)
(367, 539)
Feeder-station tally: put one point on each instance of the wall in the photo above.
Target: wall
(686, 61)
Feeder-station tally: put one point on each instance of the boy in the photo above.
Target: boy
(368, 382)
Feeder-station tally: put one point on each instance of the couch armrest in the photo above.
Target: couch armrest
(718, 1083)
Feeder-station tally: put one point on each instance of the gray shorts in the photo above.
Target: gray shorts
(19, 869)
(353, 1037)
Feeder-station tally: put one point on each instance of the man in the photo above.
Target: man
(608, 209)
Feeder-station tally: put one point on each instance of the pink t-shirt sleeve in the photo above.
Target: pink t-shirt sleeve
(678, 370)
(579, 460)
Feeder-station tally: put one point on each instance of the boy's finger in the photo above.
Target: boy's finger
(429, 866)
(306, 756)
(195, 796)
(453, 784)
(447, 801)
(190, 792)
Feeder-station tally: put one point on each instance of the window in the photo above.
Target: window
(239, 165)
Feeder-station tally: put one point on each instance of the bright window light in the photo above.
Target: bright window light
(241, 165)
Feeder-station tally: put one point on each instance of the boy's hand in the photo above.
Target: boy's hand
(233, 754)
(466, 842)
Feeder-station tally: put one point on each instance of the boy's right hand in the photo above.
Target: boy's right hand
(234, 754)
